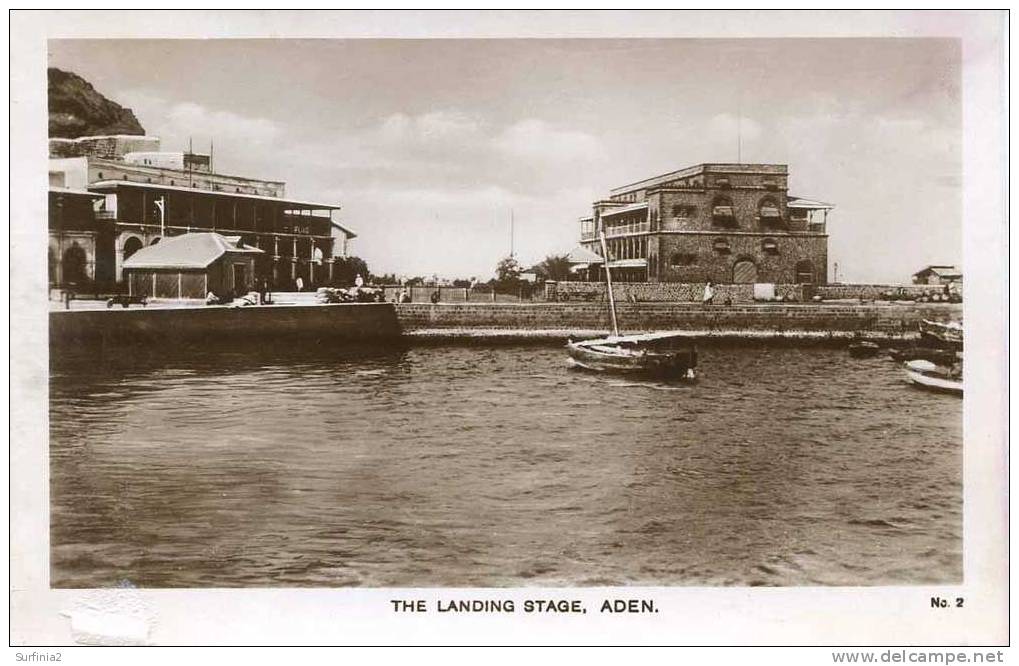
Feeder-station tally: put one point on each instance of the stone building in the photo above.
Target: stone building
(76, 245)
(141, 195)
(728, 223)
(938, 274)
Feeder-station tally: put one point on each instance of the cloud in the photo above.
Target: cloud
(430, 128)
(534, 139)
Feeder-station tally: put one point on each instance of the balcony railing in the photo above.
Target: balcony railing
(624, 229)
(587, 235)
(106, 215)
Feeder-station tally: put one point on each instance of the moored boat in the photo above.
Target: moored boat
(660, 355)
(925, 374)
(939, 334)
(652, 355)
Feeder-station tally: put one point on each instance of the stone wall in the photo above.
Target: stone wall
(643, 292)
(871, 292)
(690, 257)
(792, 320)
(273, 324)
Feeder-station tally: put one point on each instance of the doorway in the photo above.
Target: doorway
(744, 272)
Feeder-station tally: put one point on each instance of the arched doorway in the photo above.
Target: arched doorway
(804, 272)
(744, 272)
(132, 245)
(74, 265)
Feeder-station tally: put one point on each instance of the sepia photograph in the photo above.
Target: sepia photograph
(504, 313)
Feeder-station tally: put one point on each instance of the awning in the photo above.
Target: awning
(769, 211)
(721, 244)
(722, 211)
(188, 251)
(581, 255)
(625, 209)
(807, 204)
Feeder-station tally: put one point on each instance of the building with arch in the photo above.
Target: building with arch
(127, 195)
(727, 223)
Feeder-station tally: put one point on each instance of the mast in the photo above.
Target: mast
(608, 279)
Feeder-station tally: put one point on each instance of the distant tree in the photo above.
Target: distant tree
(346, 269)
(414, 281)
(461, 283)
(553, 267)
(388, 278)
(507, 273)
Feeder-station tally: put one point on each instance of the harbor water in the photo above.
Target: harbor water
(473, 465)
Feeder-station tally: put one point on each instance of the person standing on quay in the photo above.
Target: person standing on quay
(709, 293)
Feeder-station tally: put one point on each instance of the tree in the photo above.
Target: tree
(507, 272)
(346, 270)
(554, 267)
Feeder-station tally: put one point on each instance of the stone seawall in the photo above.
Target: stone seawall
(771, 320)
(357, 321)
(389, 322)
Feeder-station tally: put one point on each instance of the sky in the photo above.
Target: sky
(431, 146)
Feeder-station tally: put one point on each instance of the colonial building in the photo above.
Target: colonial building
(728, 223)
(141, 195)
(938, 274)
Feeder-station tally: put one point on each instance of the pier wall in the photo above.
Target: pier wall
(386, 321)
(358, 321)
(788, 320)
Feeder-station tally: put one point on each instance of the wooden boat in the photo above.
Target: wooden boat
(937, 333)
(863, 349)
(927, 375)
(661, 355)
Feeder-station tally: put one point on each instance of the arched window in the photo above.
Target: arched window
(132, 245)
(769, 246)
(722, 212)
(721, 245)
(74, 265)
(769, 213)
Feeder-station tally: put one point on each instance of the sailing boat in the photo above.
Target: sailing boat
(664, 355)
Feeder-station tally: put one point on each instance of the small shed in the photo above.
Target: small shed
(943, 274)
(192, 265)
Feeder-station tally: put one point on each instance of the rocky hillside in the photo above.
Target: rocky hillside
(77, 109)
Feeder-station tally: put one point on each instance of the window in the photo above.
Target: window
(770, 184)
(100, 175)
(683, 211)
(721, 246)
(172, 182)
(769, 246)
(768, 212)
(722, 213)
(723, 183)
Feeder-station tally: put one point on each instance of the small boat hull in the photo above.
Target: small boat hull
(649, 356)
(926, 375)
